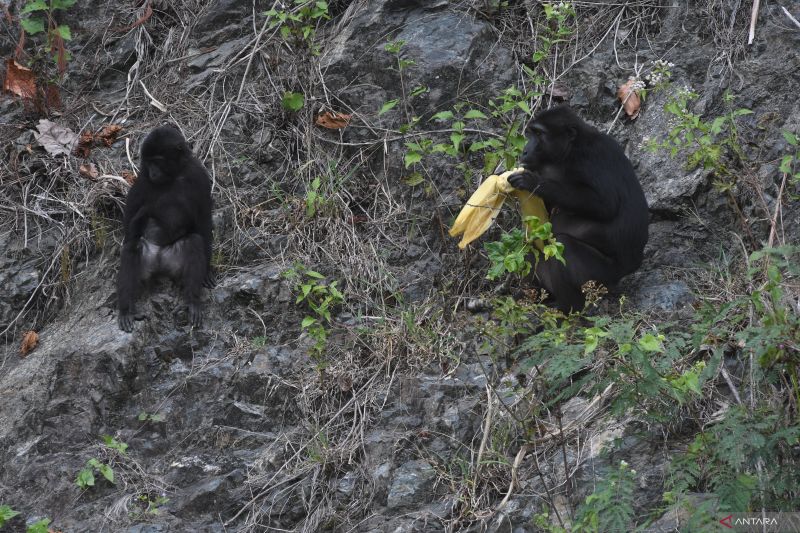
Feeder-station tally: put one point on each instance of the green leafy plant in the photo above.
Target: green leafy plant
(401, 64)
(510, 254)
(149, 505)
(300, 21)
(114, 444)
(321, 298)
(259, 342)
(86, 478)
(150, 417)
(40, 526)
(314, 198)
(292, 101)
(501, 149)
(38, 18)
(659, 77)
(558, 28)
(790, 163)
(610, 506)
(6, 514)
(745, 459)
(708, 143)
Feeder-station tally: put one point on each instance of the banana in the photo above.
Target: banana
(484, 205)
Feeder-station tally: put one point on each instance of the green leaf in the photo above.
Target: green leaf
(650, 343)
(293, 101)
(85, 478)
(413, 179)
(474, 113)
(786, 164)
(716, 126)
(142, 416)
(34, 5)
(32, 26)
(592, 338)
(107, 472)
(456, 139)
(64, 32)
(6, 513)
(305, 289)
(39, 526)
(114, 444)
(412, 157)
(740, 112)
(443, 115)
(388, 106)
(790, 137)
(308, 321)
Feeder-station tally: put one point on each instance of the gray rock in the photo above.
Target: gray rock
(412, 484)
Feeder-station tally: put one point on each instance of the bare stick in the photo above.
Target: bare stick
(487, 428)
(252, 55)
(753, 18)
(796, 23)
(773, 230)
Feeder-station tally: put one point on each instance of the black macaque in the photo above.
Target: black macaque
(167, 225)
(595, 201)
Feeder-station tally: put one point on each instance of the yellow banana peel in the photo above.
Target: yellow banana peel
(485, 203)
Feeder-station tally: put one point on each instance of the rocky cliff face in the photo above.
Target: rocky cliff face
(242, 425)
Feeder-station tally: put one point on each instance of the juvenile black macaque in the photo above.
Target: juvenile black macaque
(167, 224)
(595, 201)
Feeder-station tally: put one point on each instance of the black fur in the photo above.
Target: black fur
(167, 224)
(596, 204)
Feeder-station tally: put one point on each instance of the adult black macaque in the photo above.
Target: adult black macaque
(596, 204)
(167, 224)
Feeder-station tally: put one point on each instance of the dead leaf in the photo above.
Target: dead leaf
(19, 80)
(628, 95)
(130, 177)
(52, 96)
(108, 134)
(333, 121)
(29, 342)
(84, 147)
(89, 170)
(54, 138)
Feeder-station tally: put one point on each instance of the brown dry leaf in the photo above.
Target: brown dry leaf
(333, 121)
(19, 80)
(52, 96)
(630, 98)
(55, 138)
(29, 342)
(130, 177)
(85, 142)
(89, 170)
(108, 134)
